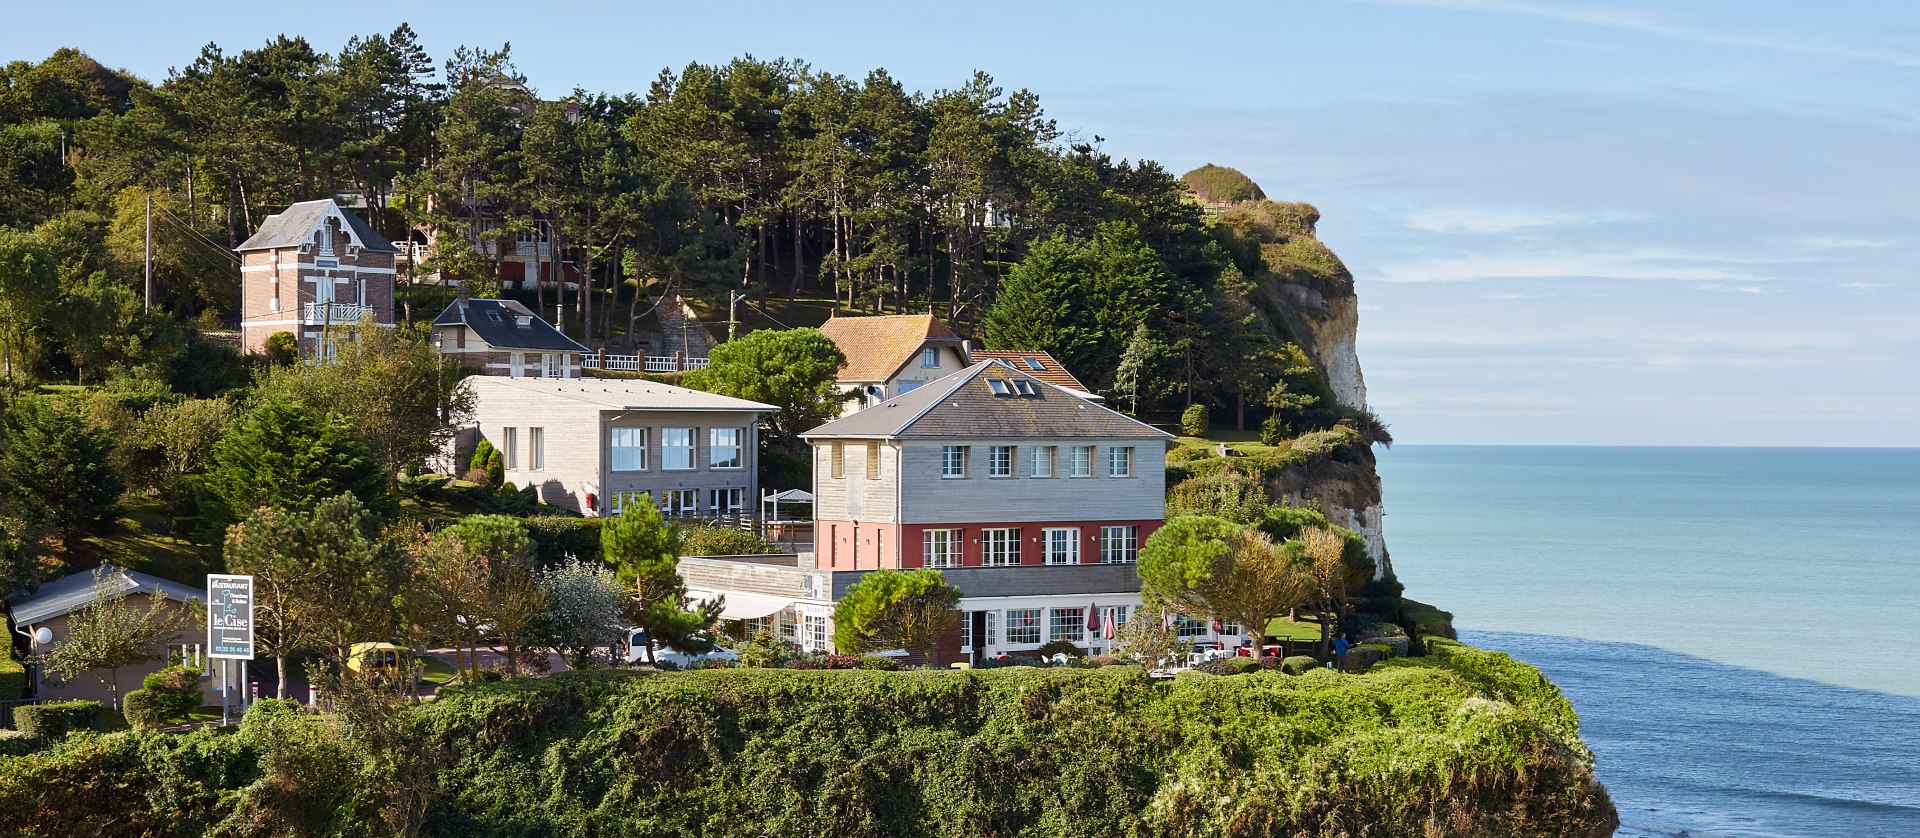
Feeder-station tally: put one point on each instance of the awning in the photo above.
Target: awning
(741, 606)
(791, 496)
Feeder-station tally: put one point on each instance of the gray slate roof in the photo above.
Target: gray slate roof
(73, 592)
(617, 394)
(497, 323)
(293, 227)
(963, 405)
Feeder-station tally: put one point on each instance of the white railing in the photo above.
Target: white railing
(345, 313)
(638, 363)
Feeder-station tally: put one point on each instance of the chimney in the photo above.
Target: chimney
(461, 296)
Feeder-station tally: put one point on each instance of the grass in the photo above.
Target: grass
(140, 541)
(436, 672)
(1246, 442)
(1282, 628)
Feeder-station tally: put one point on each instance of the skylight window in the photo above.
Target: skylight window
(999, 387)
(1024, 386)
(1034, 364)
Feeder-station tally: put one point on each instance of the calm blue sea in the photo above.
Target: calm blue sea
(1736, 626)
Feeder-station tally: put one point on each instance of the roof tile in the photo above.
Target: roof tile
(877, 346)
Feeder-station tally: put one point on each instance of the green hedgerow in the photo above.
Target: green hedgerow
(52, 720)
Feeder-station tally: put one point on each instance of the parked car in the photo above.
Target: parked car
(1203, 652)
(636, 646)
(384, 658)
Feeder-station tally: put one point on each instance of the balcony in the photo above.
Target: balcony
(342, 313)
(643, 363)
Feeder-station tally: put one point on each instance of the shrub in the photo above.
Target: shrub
(54, 719)
(13, 743)
(1059, 647)
(833, 661)
(13, 678)
(1228, 666)
(710, 540)
(1362, 658)
(880, 663)
(173, 693)
(1275, 430)
(282, 348)
(143, 709)
(1194, 420)
(1188, 454)
(1297, 664)
(555, 537)
(1271, 661)
(1102, 660)
(262, 715)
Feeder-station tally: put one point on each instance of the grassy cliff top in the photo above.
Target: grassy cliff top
(1222, 185)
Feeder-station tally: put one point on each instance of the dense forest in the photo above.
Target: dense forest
(766, 178)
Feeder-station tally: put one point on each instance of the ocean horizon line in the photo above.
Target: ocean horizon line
(1654, 446)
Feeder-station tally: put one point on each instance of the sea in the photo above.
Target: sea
(1738, 628)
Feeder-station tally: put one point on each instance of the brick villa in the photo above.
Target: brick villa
(310, 269)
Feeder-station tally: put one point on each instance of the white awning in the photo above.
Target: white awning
(741, 606)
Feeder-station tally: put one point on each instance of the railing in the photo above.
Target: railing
(648, 363)
(343, 313)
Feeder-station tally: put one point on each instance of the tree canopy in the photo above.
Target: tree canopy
(791, 369)
(896, 609)
(284, 455)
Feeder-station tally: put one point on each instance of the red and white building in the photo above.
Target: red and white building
(1031, 499)
(312, 269)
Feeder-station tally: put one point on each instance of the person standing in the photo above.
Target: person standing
(1340, 647)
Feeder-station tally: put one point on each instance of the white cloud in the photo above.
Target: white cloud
(1644, 22)
(1644, 264)
(1845, 243)
(1471, 220)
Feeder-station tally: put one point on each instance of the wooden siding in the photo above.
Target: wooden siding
(853, 496)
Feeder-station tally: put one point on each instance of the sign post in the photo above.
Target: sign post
(229, 626)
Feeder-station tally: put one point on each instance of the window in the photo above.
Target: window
(942, 548)
(1034, 364)
(726, 501)
(993, 625)
(1062, 545)
(512, 452)
(789, 630)
(1023, 625)
(723, 447)
(628, 448)
(676, 448)
(1000, 461)
(536, 449)
(999, 387)
(814, 628)
(909, 386)
(1000, 547)
(1120, 462)
(1082, 465)
(953, 461)
(1119, 545)
(681, 502)
(1188, 627)
(1024, 387)
(873, 461)
(929, 358)
(837, 453)
(1069, 624)
(966, 629)
(1043, 460)
(553, 366)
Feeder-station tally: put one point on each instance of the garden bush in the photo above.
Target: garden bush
(1297, 664)
(837, 661)
(1193, 420)
(710, 540)
(259, 717)
(555, 537)
(13, 743)
(13, 678)
(1362, 658)
(1188, 454)
(1271, 661)
(1228, 666)
(880, 663)
(142, 708)
(54, 719)
(1103, 660)
(173, 692)
(1059, 647)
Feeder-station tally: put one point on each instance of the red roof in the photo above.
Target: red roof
(1035, 362)
(876, 347)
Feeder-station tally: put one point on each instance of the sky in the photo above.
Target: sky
(1693, 222)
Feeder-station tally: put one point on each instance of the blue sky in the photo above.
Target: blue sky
(1645, 223)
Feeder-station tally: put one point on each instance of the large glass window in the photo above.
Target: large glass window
(681, 502)
(953, 461)
(942, 548)
(1119, 545)
(1062, 545)
(1000, 547)
(726, 501)
(1000, 461)
(1120, 462)
(1188, 627)
(1082, 465)
(1043, 460)
(1023, 625)
(1069, 624)
(723, 447)
(676, 448)
(628, 448)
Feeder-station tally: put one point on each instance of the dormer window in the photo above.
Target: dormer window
(494, 316)
(929, 358)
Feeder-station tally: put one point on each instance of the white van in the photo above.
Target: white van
(636, 652)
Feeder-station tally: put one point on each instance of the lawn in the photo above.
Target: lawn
(1246, 442)
(436, 672)
(140, 541)
(1285, 629)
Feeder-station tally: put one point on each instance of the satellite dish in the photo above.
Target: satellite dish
(43, 635)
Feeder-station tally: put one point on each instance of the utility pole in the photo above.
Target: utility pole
(733, 302)
(149, 252)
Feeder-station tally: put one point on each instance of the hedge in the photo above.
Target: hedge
(13, 678)
(13, 743)
(54, 719)
(1298, 664)
(556, 537)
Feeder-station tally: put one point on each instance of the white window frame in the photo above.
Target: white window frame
(953, 462)
(680, 502)
(669, 450)
(727, 501)
(996, 466)
(1030, 619)
(1060, 545)
(1119, 544)
(1043, 460)
(715, 447)
(942, 547)
(1080, 461)
(511, 452)
(1076, 629)
(536, 449)
(930, 358)
(1120, 461)
(814, 634)
(1000, 547)
(615, 448)
(1187, 628)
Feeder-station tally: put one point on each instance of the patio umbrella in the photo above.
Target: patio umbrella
(1093, 617)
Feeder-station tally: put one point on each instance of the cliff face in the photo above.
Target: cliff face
(1307, 292)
